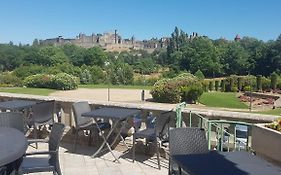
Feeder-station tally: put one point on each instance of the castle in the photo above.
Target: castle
(109, 41)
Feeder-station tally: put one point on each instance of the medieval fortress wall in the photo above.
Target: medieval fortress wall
(109, 41)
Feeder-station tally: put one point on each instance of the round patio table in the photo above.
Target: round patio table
(13, 145)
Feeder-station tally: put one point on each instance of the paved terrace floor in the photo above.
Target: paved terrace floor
(81, 163)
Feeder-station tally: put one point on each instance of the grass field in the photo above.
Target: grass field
(33, 91)
(271, 112)
(103, 86)
(222, 100)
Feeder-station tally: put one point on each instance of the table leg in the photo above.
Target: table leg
(105, 140)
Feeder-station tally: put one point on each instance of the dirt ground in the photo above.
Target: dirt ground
(117, 95)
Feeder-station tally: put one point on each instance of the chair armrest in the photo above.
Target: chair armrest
(29, 141)
(39, 153)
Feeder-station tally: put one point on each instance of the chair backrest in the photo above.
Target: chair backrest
(78, 109)
(187, 141)
(43, 113)
(55, 136)
(162, 125)
(12, 120)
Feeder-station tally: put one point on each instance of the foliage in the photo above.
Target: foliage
(211, 85)
(25, 71)
(60, 81)
(180, 88)
(191, 93)
(121, 73)
(259, 82)
(217, 84)
(273, 78)
(9, 80)
(240, 82)
(266, 83)
(199, 74)
(276, 125)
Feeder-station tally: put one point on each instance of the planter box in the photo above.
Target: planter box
(267, 143)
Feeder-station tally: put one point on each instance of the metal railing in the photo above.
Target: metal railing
(219, 133)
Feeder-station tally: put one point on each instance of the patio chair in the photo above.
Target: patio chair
(42, 114)
(84, 123)
(45, 161)
(156, 132)
(3, 170)
(12, 120)
(188, 140)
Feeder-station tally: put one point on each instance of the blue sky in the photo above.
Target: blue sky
(24, 20)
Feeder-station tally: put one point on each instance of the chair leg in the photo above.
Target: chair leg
(57, 168)
(158, 154)
(75, 140)
(90, 137)
(134, 148)
(35, 136)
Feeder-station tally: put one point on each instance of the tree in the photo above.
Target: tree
(199, 74)
(35, 42)
(51, 55)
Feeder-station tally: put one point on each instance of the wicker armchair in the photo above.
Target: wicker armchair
(186, 141)
(45, 161)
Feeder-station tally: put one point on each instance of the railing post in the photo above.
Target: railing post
(179, 115)
(221, 135)
(209, 134)
(190, 119)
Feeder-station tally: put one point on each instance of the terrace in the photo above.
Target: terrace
(81, 161)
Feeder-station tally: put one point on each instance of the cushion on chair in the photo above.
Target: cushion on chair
(146, 133)
(36, 164)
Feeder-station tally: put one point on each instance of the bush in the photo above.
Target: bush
(247, 88)
(192, 93)
(240, 83)
(199, 74)
(250, 80)
(177, 89)
(234, 89)
(165, 91)
(205, 85)
(259, 82)
(211, 85)
(217, 84)
(60, 81)
(223, 85)
(9, 80)
(273, 78)
(64, 81)
(266, 83)
(24, 71)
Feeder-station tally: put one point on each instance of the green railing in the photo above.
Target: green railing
(217, 130)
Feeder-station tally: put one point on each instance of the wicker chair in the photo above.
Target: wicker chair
(156, 133)
(3, 170)
(186, 141)
(42, 114)
(12, 120)
(84, 123)
(46, 161)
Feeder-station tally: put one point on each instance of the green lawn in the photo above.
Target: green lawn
(271, 112)
(33, 91)
(102, 86)
(222, 99)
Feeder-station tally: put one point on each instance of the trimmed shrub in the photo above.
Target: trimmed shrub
(250, 80)
(240, 83)
(9, 80)
(60, 81)
(64, 81)
(273, 78)
(266, 83)
(177, 89)
(164, 91)
(199, 74)
(205, 85)
(211, 85)
(259, 83)
(223, 85)
(247, 88)
(192, 93)
(217, 84)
